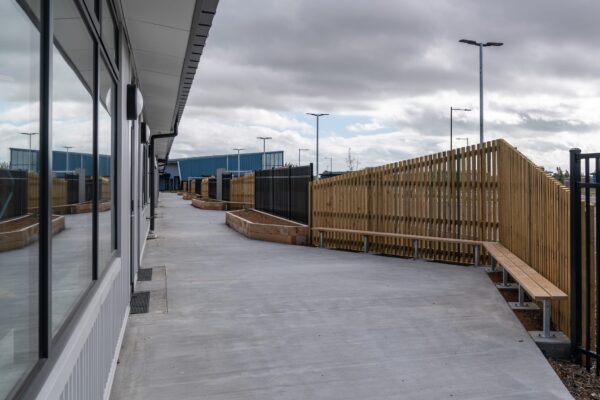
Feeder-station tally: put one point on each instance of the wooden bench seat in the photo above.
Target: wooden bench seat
(415, 238)
(529, 280)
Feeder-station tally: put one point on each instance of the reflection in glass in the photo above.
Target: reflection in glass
(19, 137)
(107, 91)
(109, 33)
(72, 129)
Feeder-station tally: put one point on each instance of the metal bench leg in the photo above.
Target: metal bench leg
(521, 304)
(321, 240)
(547, 314)
(416, 249)
(476, 254)
(521, 301)
(494, 265)
(365, 243)
(505, 284)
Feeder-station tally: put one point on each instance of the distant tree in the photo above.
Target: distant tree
(4, 165)
(350, 161)
(560, 175)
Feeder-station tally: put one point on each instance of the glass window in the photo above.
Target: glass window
(106, 122)
(72, 129)
(19, 129)
(109, 31)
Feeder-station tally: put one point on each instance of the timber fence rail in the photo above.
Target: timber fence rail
(242, 190)
(204, 188)
(488, 192)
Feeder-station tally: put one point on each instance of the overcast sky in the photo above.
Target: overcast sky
(388, 72)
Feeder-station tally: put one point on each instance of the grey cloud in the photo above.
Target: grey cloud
(357, 58)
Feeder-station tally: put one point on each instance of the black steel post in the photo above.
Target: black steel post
(272, 189)
(588, 259)
(289, 202)
(575, 255)
(95, 168)
(597, 270)
(45, 180)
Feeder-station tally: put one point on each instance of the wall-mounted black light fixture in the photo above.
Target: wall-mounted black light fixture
(135, 102)
(143, 133)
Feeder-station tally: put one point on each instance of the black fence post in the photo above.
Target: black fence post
(289, 203)
(272, 189)
(575, 233)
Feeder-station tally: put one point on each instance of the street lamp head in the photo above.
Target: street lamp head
(317, 114)
(493, 44)
(264, 137)
(467, 41)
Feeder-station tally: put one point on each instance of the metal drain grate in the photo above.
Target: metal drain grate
(145, 274)
(140, 303)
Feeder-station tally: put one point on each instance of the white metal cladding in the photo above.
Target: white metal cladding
(90, 377)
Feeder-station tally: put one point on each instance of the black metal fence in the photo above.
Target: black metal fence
(73, 188)
(284, 191)
(226, 187)
(585, 261)
(13, 193)
(198, 186)
(212, 188)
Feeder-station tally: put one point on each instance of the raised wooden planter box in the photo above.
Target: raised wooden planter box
(270, 229)
(187, 196)
(19, 232)
(208, 204)
(80, 208)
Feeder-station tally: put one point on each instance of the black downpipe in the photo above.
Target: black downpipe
(152, 172)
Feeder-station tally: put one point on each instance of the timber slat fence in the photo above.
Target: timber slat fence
(488, 192)
(242, 190)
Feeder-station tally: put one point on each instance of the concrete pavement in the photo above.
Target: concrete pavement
(257, 320)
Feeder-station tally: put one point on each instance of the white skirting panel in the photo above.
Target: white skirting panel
(86, 366)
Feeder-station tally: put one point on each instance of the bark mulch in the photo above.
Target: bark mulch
(582, 384)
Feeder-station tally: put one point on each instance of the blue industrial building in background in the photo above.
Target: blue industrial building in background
(20, 159)
(181, 169)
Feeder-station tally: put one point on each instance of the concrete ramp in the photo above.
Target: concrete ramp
(256, 320)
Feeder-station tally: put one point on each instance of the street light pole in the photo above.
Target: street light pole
(330, 162)
(464, 138)
(238, 150)
(481, 46)
(451, 110)
(67, 166)
(264, 159)
(299, 150)
(319, 115)
(30, 134)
